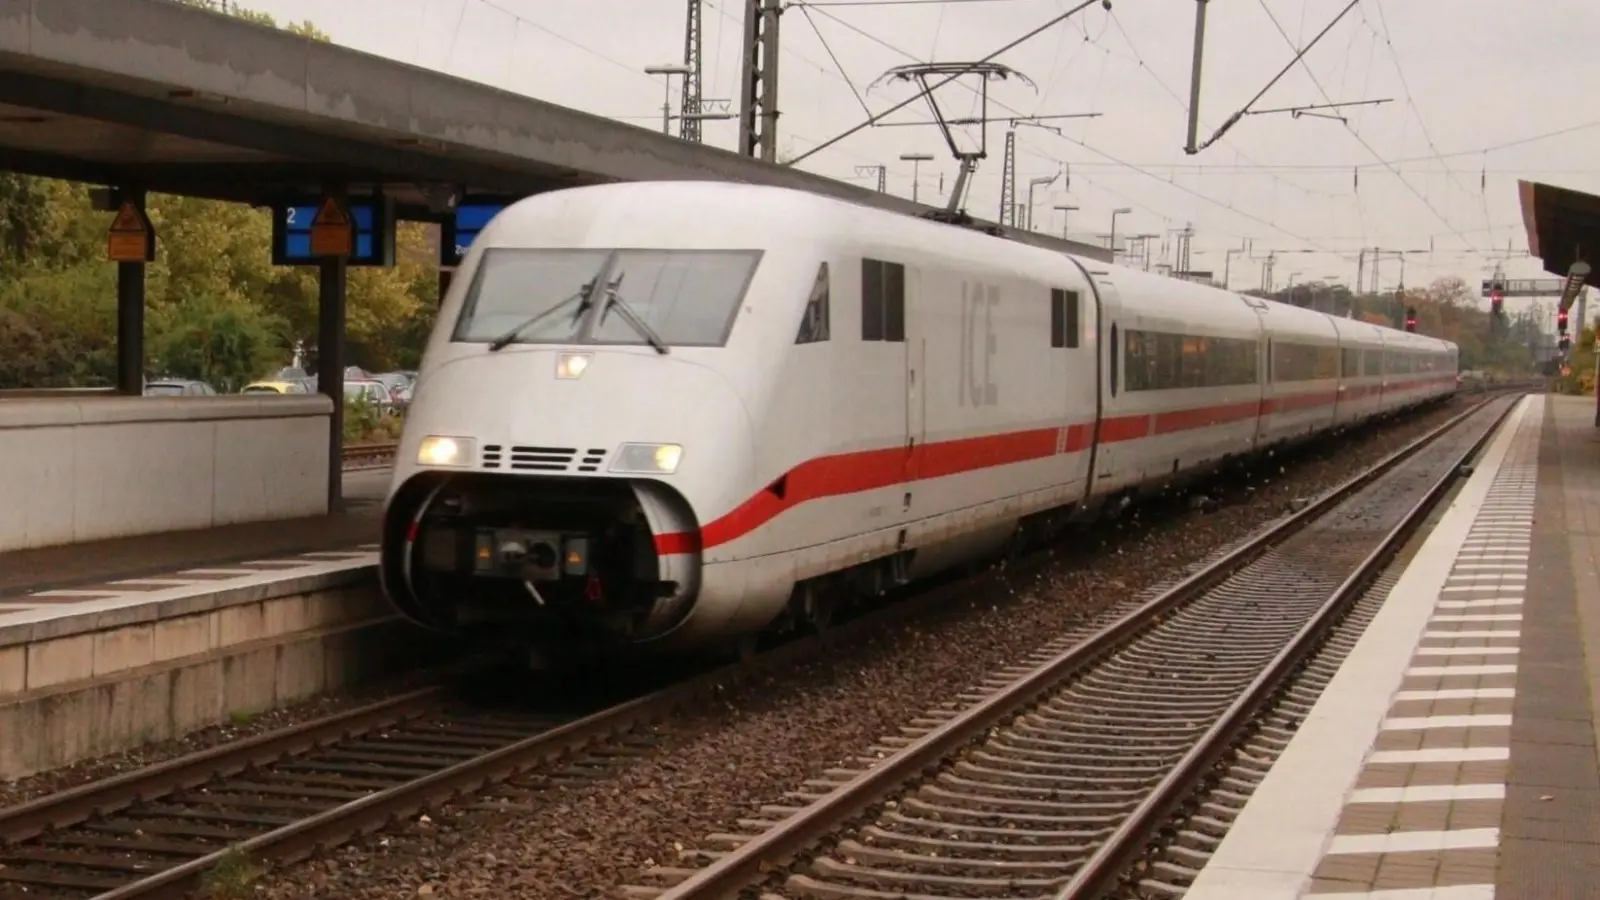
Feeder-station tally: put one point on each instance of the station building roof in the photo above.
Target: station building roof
(183, 100)
(1563, 227)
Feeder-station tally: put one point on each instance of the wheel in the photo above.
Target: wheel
(745, 648)
(816, 609)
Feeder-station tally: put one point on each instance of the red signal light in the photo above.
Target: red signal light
(1561, 321)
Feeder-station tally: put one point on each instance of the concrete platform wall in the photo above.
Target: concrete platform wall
(83, 686)
(82, 468)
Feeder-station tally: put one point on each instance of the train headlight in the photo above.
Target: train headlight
(571, 365)
(445, 451)
(647, 459)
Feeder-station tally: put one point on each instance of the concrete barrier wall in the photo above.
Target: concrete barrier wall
(83, 468)
(99, 682)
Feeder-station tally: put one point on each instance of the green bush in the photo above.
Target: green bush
(360, 420)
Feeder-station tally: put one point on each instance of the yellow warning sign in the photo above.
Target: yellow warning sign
(331, 231)
(131, 239)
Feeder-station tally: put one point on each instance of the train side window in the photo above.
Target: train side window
(871, 300)
(894, 302)
(883, 301)
(1064, 319)
(1115, 346)
(814, 322)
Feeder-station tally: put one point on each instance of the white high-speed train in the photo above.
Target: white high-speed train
(668, 415)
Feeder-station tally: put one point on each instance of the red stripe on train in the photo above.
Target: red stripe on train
(850, 473)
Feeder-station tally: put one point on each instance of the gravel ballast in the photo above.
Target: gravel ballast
(705, 771)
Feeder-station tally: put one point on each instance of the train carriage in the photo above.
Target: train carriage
(1302, 374)
(671, 415)
(1361, 352)
(1182, 392)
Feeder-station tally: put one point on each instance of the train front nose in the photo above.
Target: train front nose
(606, 461)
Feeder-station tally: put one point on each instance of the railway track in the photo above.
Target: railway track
(164, 830)
(227, 812)
(369, 456)
(1060, 778)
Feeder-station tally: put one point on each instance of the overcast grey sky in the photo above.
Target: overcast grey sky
(1471, 80)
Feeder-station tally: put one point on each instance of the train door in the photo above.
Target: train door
(915, 323)
(1265, 389)
(1104, 463)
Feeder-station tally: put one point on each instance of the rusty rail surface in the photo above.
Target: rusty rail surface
(369, 456)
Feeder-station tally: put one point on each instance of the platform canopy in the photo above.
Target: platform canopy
(1563, 227)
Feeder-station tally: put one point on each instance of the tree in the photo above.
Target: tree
(217, 309)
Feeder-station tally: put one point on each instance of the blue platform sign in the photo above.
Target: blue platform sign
(463, 229)
(374, 232)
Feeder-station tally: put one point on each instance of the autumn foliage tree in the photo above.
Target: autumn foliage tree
(217, 308)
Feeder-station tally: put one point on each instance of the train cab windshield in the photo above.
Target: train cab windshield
(657, 298)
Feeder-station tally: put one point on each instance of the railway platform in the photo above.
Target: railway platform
(1454, 756)
(111, 644)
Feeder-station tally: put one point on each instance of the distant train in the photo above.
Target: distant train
(663, 416)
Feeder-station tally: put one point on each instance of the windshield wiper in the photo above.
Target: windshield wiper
(632, 318)
(505, 340)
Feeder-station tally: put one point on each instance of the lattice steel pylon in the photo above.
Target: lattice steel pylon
(758, 81)
(689, 123)
(1008, 181)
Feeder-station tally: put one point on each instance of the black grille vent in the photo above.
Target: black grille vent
(541, 459)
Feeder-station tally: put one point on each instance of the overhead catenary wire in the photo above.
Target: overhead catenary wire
(1194, 193)
(835, 57)
(1298, 56)
(1300, 59)
(872, 120)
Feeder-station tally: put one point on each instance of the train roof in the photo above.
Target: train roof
(580, 210)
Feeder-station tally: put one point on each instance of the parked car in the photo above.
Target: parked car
(394, 383)
(178, 387)
(274, 387)
(371, 391)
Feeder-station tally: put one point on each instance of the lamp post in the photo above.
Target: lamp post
(916, 160)
(1122, 211)
(667, 71)
(1033, 184)
(1064, 211)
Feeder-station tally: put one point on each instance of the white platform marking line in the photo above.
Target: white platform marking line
(22, 607)
(160, 582)
(1429, 793)
(1415, 841)
(1454, 892)
(109, 592)
(1484, 603)
(1427, 723)
(1482, 617)
(236, 573)
(1457, 694)
(1510, 632)
(1467, 651)
(1278, 840)
(1440, 755)
(1448, 670)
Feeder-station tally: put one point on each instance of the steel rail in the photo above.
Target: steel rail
(383, 454)
(376, 810)
(27, 820)
(740, 868)
(333, 826)
(1129, 840)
